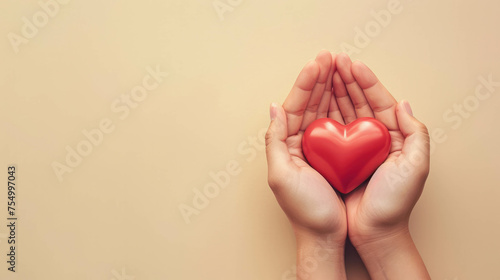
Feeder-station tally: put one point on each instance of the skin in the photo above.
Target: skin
(375, 216)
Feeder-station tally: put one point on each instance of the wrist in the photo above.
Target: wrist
(320, 256)
(380, 244)
(331, 241)
(376, 236)
(392, 255)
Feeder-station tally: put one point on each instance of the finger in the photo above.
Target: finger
(298, 98)
(355, 92)
(381, 101)
(334, 111)
(343, 100)
(324, 60)
(416, 146)
(324, 104)
(277, 152)
(328, 107)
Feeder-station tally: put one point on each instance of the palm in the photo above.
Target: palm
(369, 203)
(323, 208)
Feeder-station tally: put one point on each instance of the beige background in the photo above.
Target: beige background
(116, 215)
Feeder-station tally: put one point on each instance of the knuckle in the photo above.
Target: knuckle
(269, 137)
(313, 107)
(423, 128)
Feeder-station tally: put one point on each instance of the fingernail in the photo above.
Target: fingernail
(272, 111)
(407, 107)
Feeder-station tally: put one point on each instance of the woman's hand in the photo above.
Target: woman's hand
(378, 212)
(315, 210)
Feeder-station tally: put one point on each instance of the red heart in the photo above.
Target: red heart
(346, 155)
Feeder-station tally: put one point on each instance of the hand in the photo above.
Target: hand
(315, 210)
(378, 211)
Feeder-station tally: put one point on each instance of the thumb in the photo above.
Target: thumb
(277, 133)
(416, 144)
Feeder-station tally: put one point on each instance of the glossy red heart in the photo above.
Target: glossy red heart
(346, 155)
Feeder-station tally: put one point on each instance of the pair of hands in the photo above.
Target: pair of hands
(375, 216)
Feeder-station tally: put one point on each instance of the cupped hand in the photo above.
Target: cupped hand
(308, 200)
(381, 206)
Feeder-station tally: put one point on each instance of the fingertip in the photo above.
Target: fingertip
(343, 55)
(324, 60)
(416, 134)
(342, 60)
(279, 114)
(307, 78)
(400, 107)
(344, 68)
(408, 124)
(363, 75)
(358, 66)
(272, 111)
(404, 108)
(407, 107)
(312, 68)
(323, 54)
(311, 64)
